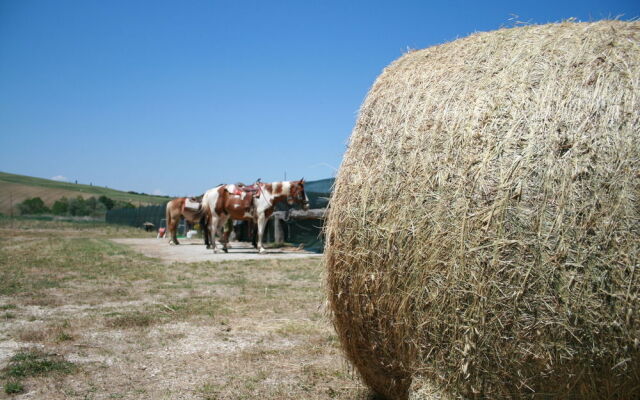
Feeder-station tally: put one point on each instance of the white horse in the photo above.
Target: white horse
(255, 203)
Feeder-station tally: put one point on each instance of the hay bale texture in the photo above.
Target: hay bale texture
(484, 227)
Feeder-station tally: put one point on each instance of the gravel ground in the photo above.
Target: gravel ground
(192, 250)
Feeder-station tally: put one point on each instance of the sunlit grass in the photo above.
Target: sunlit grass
(235, 329)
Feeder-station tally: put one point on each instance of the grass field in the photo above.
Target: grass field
(84, 318)
(16, 188)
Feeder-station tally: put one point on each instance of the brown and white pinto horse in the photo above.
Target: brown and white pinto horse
(176, 209)
(254, 203)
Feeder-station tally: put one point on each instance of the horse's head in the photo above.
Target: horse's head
(297, 194)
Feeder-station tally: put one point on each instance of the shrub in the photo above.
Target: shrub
(31, 206)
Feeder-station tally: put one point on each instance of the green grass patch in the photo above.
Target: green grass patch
(64, 337)
(13, 387)
(304, 275)
(130, 320)
(211, 391)
(10, 281)
(236, 279)
(76, 227)
(194, 306)
(28, 363)
(40, 265)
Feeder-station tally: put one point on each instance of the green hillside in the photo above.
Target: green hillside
(16, 188)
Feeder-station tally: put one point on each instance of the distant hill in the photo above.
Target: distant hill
(16, 188)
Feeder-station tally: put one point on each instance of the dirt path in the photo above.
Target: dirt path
(194, 251)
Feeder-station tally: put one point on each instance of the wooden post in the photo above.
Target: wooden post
(278, 232)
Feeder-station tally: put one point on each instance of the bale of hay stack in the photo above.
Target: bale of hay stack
(484, 230)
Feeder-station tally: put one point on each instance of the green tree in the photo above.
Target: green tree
(78, 207)
(34, 205)
(108, 203)
(60, 206)
(123, 204)
(91, 203)
(95, 206)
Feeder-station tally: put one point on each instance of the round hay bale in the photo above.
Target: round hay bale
(484, 228)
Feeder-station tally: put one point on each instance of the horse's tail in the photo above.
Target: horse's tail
(204, 206)
(168, 213)
(205, 216)
(202, 211)
(204, 219)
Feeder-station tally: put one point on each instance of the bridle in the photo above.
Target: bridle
(300, 198)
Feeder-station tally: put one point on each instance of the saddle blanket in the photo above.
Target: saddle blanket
(192, 205)
(234, 189)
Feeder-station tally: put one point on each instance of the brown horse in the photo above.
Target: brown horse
(254, 203)
(185, 207)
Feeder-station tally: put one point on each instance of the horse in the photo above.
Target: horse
(253, 203)
(176, 209)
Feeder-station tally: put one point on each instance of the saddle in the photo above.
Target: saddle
(241, 196)
(240, 189)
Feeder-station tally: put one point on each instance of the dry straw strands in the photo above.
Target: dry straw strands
(485, 225)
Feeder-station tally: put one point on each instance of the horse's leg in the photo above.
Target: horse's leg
(172, 226)
(174, 237)
(225, 241)
(167, 214)
(262, 221)
(205, 231)
(253, 233)
(213, 230)
(225, 232)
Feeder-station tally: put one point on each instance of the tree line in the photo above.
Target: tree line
(77, 206)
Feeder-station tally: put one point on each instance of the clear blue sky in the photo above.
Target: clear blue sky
(174, 97)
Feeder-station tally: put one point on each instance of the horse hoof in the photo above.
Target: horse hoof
(262, 251)
(225, 250)
(209, 247)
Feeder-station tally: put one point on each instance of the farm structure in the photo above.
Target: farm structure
(296, 227)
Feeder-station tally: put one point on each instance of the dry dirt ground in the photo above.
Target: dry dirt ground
(193, 250)
(86, 317)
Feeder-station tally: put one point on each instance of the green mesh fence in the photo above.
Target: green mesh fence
(305, 232)
(136, 216)
(320, 186)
